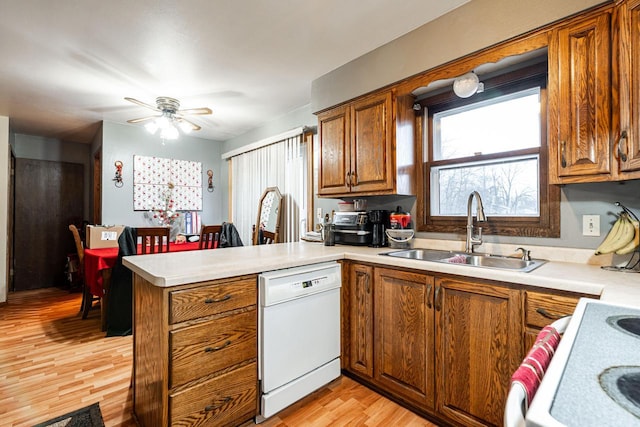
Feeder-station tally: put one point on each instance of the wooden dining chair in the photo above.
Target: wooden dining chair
(210, 237)
(153, 239)
(87, 297)
(264, 237)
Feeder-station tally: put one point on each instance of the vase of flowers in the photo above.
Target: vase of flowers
(165, 215)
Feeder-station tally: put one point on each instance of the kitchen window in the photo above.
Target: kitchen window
(495, 143)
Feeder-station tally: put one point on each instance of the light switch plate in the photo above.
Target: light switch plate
(591, 225)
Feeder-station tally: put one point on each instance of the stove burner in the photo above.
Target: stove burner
(626, 323)
(622, 384)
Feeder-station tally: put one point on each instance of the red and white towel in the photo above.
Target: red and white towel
(534, 366)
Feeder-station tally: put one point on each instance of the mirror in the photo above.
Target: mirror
(268, 219)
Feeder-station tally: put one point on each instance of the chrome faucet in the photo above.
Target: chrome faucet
(471, 239)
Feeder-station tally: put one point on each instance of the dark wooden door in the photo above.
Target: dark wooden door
(48, 197)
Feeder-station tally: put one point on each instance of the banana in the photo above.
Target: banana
(634, 242)
(611, 236)
(626, 235)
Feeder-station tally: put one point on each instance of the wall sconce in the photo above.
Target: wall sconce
(467, 84)
(118, 177)
(210, 186)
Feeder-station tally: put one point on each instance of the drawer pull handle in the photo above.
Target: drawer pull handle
(551, 316)
(211, 300)
(220, 347)
(210, 408)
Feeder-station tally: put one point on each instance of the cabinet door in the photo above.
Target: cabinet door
(334, 151)
(404, 335)
(478, 342)
(627, 147)
(361, 320)
(580, 61)
(371, 167)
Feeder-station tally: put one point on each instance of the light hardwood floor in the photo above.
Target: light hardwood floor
(53, 362)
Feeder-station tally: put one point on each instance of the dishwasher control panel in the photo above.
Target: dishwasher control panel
(287, 284)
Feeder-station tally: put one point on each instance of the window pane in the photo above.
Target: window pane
(504, 123)
(507, 187)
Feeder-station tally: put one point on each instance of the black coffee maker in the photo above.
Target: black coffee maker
(379, 220)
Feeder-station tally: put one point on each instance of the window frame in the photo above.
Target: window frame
(547, 224)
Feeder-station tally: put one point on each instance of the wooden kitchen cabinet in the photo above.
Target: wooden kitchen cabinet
(361, 320)
(195, 353)
(580, 100)
(478, 342)
(366, 147)
(404, 335)
(627, 82)
(542, 309)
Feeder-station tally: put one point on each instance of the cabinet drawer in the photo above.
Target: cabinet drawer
(228, 399)
(204, 349)
(543, 309)
(193, 303)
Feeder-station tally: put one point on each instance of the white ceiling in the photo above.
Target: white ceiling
(66, 65)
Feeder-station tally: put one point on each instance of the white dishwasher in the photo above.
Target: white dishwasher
(298, 333)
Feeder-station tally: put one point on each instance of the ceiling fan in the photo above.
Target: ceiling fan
(171, 117)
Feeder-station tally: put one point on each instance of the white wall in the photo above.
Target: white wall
(5, 151)
(469, 28)
(122, 142)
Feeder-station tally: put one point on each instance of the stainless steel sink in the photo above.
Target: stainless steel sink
(474, 259)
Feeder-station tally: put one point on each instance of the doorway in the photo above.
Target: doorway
(48, 197)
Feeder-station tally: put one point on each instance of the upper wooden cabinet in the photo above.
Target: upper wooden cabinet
(365, 148)
(627, 82)
(580, 100)
(594, 96)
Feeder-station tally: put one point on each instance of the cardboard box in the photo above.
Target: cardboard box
(103, 236)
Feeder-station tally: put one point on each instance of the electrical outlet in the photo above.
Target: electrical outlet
(319, 213)
(590, 225)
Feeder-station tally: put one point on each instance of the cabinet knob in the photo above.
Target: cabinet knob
(429, 289)
(354, 178)
(348, 179)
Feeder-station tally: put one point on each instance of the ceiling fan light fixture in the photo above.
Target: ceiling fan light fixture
(169, 132)
(466, 85)
(184, 126)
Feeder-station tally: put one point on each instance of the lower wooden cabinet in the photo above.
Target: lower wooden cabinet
(445, 347)
(542, 309)
(404, 351)
(478, 341)
(195, 353)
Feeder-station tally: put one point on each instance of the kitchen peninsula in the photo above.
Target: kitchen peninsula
(175, 380)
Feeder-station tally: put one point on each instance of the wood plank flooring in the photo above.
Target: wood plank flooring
(53, 362)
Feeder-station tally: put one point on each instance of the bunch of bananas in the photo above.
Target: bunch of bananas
(623, 238)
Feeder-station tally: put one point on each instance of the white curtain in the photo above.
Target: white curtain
(282, 164)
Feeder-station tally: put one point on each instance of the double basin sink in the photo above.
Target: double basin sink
(474, 259)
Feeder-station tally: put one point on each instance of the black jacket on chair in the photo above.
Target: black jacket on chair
(120, 305)
(229, 236)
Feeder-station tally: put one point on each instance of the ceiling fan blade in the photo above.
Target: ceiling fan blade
(195, 111)
(142, 119)
(193, 125)
(142, 104)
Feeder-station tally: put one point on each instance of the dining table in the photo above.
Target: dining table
(98, 264)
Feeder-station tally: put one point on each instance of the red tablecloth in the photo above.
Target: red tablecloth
(96, 260)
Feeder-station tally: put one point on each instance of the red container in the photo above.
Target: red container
(400, 219)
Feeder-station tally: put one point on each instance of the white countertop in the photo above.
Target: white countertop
(177, 268)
